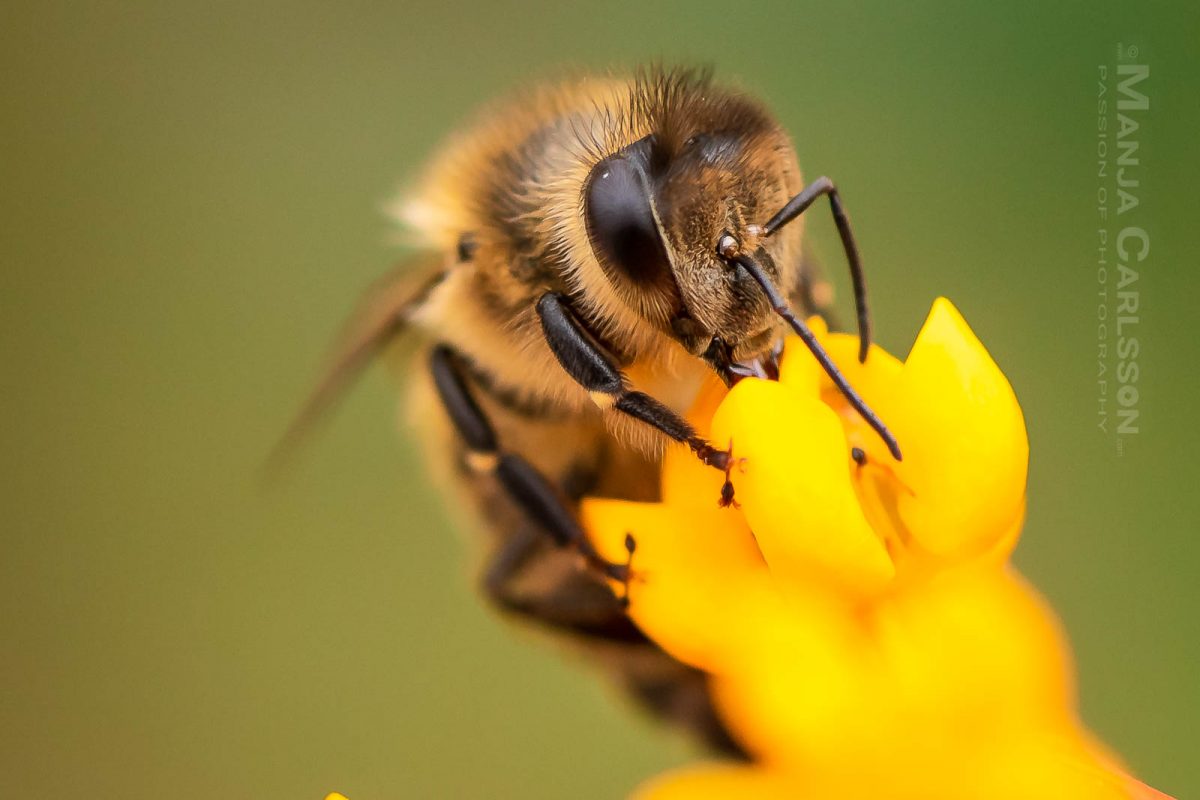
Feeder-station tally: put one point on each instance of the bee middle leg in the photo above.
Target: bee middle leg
(522, 482)
(596, 371)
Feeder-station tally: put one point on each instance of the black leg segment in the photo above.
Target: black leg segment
(580, 355)
(528, 488)
(465, 413)
(579, 606)
(596, 371)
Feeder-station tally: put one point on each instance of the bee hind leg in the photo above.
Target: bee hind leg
(521, 481)
(581, 605)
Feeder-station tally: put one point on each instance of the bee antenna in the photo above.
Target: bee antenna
(781, 308)
(797, 206)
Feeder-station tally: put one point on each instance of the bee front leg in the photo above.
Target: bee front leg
(596, 371)
(527, 487)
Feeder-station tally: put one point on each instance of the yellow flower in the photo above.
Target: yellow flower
(864, 634)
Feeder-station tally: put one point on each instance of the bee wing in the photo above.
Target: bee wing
(381, 315)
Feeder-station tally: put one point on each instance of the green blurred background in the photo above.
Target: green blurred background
(192, 200)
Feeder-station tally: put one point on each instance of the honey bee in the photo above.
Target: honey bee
(595, 248)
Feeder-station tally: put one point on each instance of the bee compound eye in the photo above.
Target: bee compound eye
(620, 221)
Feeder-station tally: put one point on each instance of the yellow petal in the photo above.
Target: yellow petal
(687, 481)
(694, 573)
(874, 380)
(862, 633)
(967, 467)
(960, 487)
(803, 687)
(794, 489)
(977, 652)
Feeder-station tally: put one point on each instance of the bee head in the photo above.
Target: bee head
(658, 213)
